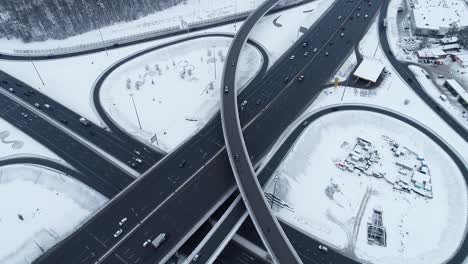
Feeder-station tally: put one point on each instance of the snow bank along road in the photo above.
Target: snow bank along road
(96, 90)
(306, 246)
(188, 175)
(145, 38)
(266, 224)
(120, 146)
(408, 76)
(96, 171)
(273, 237)
(46, 163)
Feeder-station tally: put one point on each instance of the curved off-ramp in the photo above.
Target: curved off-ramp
(267, 225)
(96, 89)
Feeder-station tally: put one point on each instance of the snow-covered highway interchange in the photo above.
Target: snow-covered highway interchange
(113, 151)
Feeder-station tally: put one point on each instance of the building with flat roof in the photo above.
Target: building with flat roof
(432, 53)
(369, 69)
(436, 17)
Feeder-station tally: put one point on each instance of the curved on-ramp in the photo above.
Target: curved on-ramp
(266, 224)
(96, 89)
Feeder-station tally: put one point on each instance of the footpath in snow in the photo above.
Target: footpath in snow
(335, 205)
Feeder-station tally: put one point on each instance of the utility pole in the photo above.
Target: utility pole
(214, 60)
(235, 16)
(136, 111)
(38, 74)
(274, 191)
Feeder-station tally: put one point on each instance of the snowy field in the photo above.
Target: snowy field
(76, 75)
(193, 11)
(44, 206)
(393, 93)
(175, 89)
(15, 143)
(310, 168)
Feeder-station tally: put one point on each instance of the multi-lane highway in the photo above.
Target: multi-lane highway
(279, 247)
(183, 177)
(96, 171)
(123, 147)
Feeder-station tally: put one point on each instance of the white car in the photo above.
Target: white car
(117, 233)
(123, 221)
(244, 103)
(147, 242)
(37, 105)
(292, 57)
(315, 50)
(323, 248)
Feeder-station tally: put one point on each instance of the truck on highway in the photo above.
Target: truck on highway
(159, 240)
(385, 23)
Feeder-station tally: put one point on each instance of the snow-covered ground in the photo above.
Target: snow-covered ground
(44, 206)
(15, 143)
(290, 21)
(393, 94)
(450, 104)
(175, 89)
(309, 169)
(193, 11)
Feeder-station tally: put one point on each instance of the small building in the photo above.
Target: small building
(451, 47)
(369, 69)
(457, 90)
(449, 40)
(432, 53)
(376, 233)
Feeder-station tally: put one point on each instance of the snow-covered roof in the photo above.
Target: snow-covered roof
(431, 53)
(449, 40)
(421, 177)
(451, 46)
(440, 14)
(369, 69)
(458, 88)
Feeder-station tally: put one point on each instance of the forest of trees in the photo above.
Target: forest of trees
(38, 20)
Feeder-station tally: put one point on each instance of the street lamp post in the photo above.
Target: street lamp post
(214, 60)
(274, 191)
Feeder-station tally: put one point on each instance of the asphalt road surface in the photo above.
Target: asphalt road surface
(96, 171)
(177, 187)
(273, 237)
(408, 76)
(123, 147)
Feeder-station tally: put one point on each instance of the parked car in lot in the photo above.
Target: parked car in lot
(24, 115)
(37, 105)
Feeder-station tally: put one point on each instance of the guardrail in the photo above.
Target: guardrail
(126, 39)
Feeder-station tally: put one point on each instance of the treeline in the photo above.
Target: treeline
(38, 20)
